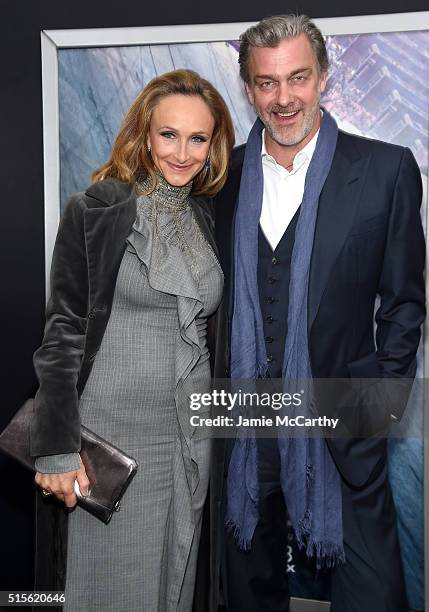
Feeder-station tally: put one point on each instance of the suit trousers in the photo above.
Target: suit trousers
(372, 578)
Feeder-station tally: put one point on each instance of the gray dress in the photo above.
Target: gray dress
(153, 356)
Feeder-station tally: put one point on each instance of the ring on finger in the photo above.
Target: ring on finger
(46, 493)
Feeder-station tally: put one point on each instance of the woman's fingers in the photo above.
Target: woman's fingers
(70, 498)
(82, 480)
(60, 485)
(38, 478)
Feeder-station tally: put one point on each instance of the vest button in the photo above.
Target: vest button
(272, 280)
(271, 300)
(274, 261)
(269, 339)
(270, 359)
(270, 319)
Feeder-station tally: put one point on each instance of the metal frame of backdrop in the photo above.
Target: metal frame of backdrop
(53, 40)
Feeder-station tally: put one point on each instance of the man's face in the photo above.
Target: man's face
(285, 89)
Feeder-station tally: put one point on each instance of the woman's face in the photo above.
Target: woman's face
(180, 132)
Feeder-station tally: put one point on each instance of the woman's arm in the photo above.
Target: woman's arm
(55, 429)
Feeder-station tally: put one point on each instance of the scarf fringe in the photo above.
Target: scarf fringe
(244, 542)
(327, 554)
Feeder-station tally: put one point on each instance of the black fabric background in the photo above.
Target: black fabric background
(21, 206)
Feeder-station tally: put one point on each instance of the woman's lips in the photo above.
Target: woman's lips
(179, 168)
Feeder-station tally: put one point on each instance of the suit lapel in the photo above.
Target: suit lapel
(337, 209)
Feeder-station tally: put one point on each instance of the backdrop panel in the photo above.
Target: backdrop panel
(378, 86)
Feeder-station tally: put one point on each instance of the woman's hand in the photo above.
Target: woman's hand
(62, 485)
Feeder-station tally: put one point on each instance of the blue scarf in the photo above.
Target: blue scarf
(309, 479)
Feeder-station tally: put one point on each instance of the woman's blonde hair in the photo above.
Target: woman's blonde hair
(130, 158)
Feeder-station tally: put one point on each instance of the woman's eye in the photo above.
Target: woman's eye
(167, 135)
(198, 139)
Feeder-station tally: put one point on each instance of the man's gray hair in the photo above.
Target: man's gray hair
(270, 32)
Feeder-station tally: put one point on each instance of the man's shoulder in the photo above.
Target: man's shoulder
(364, 145)
(359, 144)
(352, 145)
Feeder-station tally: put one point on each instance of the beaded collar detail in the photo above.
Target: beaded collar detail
(166, 195)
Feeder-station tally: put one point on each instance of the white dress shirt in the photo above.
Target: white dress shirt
(283, 190)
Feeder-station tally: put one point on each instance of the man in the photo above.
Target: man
(312, 224)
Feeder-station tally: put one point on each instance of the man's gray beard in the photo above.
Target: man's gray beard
(307, 126)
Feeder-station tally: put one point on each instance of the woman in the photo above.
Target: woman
(134, 280)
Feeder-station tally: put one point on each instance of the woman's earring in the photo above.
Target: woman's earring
(207, 165)
(148, 148)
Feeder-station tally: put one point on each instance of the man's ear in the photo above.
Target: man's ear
(249, 93)
(322, 81)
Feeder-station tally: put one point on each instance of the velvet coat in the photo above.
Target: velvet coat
(89, 248)
(368, 241)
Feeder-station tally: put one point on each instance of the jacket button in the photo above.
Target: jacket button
(91, 315)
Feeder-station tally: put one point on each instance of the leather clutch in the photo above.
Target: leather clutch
(109, 469)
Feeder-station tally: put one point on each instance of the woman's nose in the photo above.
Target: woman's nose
(182, 151)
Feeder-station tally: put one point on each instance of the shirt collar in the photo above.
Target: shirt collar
(300, 158)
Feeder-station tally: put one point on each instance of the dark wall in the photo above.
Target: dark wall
(21, 209)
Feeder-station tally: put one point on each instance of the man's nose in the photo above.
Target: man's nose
(283, 94)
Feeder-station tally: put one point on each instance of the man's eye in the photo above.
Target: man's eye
(266, 84)
(298, 78)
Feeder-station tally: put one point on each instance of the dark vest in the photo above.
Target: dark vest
(273, 284)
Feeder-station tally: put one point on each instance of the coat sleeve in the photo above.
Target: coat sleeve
(401, 286)
(55, 428)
